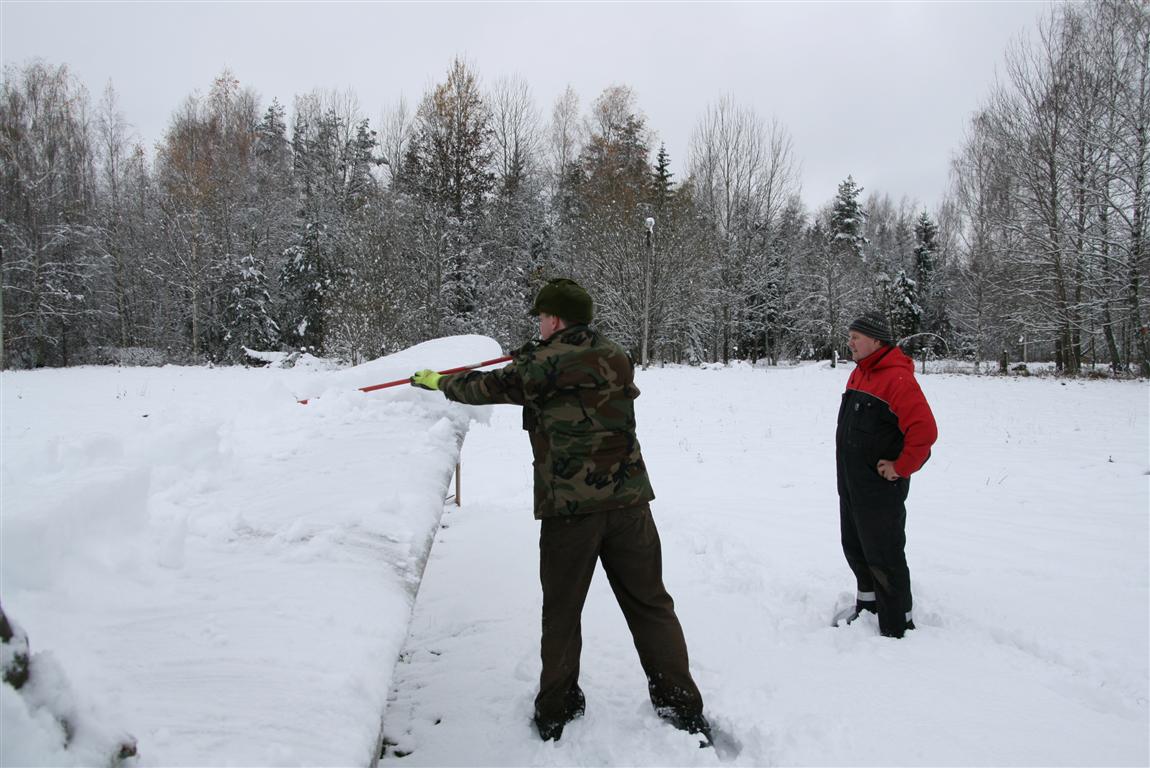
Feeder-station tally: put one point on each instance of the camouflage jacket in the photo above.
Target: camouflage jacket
(577, 390)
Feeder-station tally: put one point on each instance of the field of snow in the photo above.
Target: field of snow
(228, 575)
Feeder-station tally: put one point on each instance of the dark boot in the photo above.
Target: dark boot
(574, 706)
(576, 703)
(897, 634)
(695, 724)
(549, 731)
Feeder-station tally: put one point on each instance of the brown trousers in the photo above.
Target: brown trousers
(627, 543)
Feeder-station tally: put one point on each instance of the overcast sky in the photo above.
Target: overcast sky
(882, 91)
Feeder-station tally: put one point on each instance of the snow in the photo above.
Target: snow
(228, 573)
(229, 576)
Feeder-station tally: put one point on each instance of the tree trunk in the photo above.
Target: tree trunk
(1141, 333)
(726, 334)
(195, 304)
(1111, 342)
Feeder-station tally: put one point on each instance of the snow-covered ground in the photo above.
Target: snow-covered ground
(229, 577)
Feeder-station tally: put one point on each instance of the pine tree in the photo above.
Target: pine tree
(905, 312)
(448, 172)
(930, 293)
(661, 185)
(249, 321)
(926, 245)
(271, 233)
(847, 221)
(332, 168)
(358, 162)
(306, 280)
(884, 294)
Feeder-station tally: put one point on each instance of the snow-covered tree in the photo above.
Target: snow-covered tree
(448, 172)
(929, 286)
(742, 172)
(249, 320)
(48, 231)
(905, 312)
(609, 251)
(307, 282)
(847, 221)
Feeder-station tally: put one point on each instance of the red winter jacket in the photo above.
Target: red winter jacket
(888, 374)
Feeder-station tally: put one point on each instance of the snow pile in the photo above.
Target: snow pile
(46, 722)
(228, 573)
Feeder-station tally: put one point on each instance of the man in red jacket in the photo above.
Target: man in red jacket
(885, 431)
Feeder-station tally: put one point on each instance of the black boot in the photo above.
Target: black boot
(574, 705)
(895, 627)
(696, 723)
(549, 729)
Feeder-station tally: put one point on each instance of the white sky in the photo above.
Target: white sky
(882, 91)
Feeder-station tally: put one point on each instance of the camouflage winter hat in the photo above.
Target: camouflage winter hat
(565, 299)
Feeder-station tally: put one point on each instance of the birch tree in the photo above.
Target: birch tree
(743, 172)
(47, 214)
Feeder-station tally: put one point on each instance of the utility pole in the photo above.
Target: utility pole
(647, 290)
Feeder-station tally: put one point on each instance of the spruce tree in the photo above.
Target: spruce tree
(358, 160)
(931, 297)
(847, 221)
(884, 293)
(277, 198)
(926, 245)
(661, 185)
(447, 172)
(306, 280)
(249, 311)
(905, 312)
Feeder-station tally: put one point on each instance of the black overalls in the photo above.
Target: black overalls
(872, 513)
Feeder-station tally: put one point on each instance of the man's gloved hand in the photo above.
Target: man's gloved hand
(426, 379)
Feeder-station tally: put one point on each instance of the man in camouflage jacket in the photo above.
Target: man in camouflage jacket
(577, 391)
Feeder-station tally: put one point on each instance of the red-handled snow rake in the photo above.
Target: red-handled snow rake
(397, 382)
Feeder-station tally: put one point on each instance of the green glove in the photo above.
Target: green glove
(426, 379)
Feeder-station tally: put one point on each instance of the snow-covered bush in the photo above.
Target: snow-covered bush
(127, 356)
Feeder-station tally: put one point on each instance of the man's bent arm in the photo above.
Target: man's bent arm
(916, 421)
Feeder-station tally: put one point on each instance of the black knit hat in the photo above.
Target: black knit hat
(873, 324)
(565, 299)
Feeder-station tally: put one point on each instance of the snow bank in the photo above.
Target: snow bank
(227, 573)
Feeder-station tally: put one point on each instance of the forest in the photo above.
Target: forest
(249, 226)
